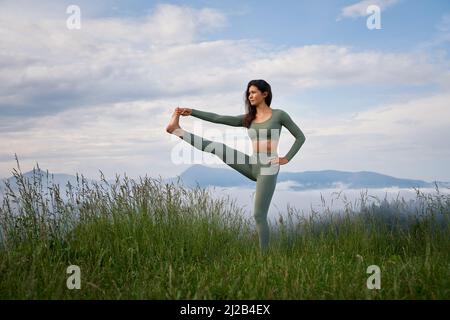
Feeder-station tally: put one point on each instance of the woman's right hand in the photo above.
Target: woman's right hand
(184, 111)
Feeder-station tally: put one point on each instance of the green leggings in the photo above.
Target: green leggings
(255, 167)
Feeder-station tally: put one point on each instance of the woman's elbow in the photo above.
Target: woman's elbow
(301, 138)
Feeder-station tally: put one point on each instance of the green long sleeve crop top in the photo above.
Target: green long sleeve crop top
(261, 130)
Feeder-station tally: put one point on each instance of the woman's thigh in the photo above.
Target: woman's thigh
(236, 159)
(265, 186)
(239, 161)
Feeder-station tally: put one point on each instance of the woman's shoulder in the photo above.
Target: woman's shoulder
(279, 111)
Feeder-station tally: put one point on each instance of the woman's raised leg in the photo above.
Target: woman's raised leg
(236, 159)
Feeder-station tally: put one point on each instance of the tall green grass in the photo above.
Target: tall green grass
(152, 240)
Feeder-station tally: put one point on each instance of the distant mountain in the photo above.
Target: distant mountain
(226, 177)
(207, 176)
(57, 178)
(47, 178)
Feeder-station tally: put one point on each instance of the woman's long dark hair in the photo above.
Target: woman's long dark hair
(250, 110)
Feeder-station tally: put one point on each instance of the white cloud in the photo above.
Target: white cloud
(327, 65)
(444, 24)
(100, 97)
(107, 60)
(47, 68)
(406, 139)
(359, 9)
(436, 44)
(288, 185)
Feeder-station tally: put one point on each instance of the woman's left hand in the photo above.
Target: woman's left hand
(280, 160)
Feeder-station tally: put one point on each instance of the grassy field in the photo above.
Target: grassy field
(149, 240)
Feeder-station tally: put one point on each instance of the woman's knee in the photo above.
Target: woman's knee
(260, 217)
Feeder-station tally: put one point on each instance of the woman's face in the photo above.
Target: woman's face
(255, 96)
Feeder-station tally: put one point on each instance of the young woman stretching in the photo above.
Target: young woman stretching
(264, 127)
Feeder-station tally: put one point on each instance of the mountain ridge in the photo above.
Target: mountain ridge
(205, 176)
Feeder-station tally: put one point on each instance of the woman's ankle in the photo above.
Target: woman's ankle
(178, 132)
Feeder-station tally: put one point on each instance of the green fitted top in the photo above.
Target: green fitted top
(266, 130)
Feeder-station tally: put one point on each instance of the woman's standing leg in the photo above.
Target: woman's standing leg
(265, 187)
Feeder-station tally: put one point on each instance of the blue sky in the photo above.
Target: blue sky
(298, 23)
(100, 97)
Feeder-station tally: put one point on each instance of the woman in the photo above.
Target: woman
(264, 127)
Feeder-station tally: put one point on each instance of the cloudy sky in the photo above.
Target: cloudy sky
(98, 97)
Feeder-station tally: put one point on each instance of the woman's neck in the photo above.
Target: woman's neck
(262, 109)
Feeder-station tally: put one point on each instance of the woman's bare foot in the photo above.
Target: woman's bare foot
(174, 126)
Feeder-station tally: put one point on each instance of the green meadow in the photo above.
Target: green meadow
(152, 240)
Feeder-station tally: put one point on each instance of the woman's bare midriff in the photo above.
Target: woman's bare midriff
(265, 146)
